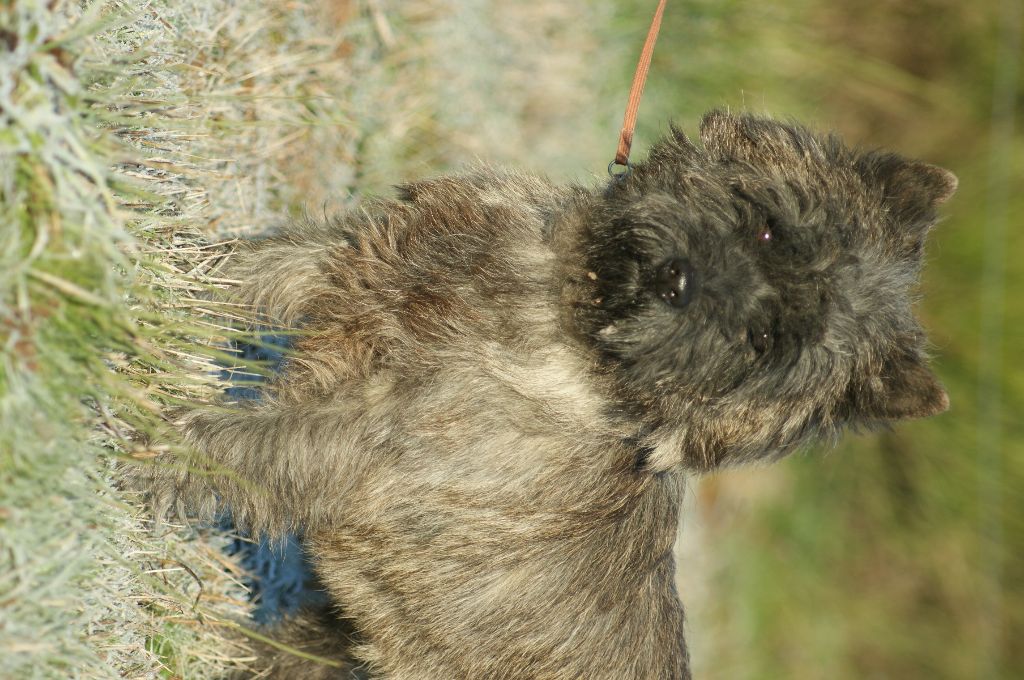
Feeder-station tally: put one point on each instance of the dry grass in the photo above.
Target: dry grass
(134, 136)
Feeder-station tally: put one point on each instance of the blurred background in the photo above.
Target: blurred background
(144, 134)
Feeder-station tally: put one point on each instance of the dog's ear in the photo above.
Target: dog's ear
(910, 191)
(725, 136)
(763, 142)
(671, 152)
(904, 388)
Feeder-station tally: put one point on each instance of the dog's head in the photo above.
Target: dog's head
(756, 291)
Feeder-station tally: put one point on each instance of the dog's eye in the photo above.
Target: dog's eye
(766, 232)
(760, 339)
(769, 230)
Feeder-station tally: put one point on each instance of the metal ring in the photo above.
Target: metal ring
(619, 176)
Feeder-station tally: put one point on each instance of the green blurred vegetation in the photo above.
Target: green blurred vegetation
(899, 554)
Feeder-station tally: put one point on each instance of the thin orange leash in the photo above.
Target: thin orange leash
(635, 92)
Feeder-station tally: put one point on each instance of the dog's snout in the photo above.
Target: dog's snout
(674, 282)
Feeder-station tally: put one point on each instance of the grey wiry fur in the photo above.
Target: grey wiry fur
(501, 382)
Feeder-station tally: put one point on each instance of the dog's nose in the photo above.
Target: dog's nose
(674, 282)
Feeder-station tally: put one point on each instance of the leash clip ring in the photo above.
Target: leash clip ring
(622, 174)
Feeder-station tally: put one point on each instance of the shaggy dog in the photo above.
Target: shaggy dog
(499, 384)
